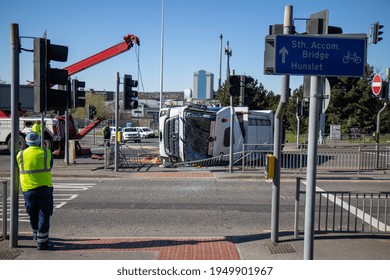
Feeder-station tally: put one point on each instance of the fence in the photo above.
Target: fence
(346, 159)
(127, 156)
(349, 158)
(337, 138)
(344, 211)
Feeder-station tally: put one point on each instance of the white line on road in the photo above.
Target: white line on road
(60, 199)
(354, 211)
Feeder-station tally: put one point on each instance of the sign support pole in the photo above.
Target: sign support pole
(285, 90)
(316, 96)
(378, 121)
(377, 136)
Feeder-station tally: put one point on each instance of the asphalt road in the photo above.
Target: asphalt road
(161, 207)
(166, 207)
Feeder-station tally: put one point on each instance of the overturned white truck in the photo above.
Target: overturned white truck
(193, 133)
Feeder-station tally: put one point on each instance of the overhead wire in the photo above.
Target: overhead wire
(139, 74)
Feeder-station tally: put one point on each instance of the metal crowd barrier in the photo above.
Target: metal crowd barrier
(344, 211)
(127, 156)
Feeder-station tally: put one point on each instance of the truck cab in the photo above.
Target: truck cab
(194, 133)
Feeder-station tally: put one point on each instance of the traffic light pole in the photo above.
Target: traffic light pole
(231, 135)
(116, 122)
(378, 120)
(14, 193)
(285, 85)
(66, 156)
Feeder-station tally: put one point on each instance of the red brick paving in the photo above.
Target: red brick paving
(178, 249)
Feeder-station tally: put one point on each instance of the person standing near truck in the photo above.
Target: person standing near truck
(107, 134)
(37, 128)
(35, 164)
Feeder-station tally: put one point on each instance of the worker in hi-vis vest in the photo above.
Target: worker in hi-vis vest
(37, 127)
(35, 164)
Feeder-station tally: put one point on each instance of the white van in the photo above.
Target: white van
(145, 132)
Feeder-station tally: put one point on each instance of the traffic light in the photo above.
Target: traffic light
(78, 96)
(376, 32)
(130, 96)
(246, 84)
(39, 75)
(91, 112)
(299, 108)
(46, 98)
(384, 95)
(305, 108)
(234, 85)
(318, 23)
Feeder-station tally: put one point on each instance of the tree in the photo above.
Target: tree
(224, 97)
(352, 104)
(262, 99)
(99, 102)
(290, 120)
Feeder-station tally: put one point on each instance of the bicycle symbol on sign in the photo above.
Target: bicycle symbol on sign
(352, 57)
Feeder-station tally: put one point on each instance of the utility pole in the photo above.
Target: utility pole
(228, 52)
(220, 62)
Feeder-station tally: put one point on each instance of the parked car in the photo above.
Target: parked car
(145, 132)
(131, 134)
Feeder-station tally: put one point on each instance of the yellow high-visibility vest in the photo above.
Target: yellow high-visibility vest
(37, 128)
(34, 168)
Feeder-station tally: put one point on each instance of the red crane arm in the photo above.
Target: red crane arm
(130, 40)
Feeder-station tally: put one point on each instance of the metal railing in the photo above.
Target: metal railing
(345, 211)
(346, 159)
(4, 196)
(253, 156)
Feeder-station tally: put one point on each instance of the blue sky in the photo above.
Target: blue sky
(192, 30)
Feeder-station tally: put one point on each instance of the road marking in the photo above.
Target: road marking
(61, 198)
(353, 210)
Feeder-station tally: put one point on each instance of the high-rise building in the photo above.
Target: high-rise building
(203, 85)
(187, 94)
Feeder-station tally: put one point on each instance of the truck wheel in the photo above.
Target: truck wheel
(22, 143)
(47, 144)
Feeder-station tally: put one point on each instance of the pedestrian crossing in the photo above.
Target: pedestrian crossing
(63, 193)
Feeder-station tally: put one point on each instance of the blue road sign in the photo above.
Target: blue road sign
(321, 55)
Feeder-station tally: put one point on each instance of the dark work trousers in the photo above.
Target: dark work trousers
(107, 142)
(39, 206)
